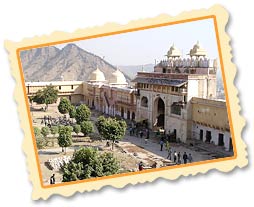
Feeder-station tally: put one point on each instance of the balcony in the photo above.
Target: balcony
(183, 90)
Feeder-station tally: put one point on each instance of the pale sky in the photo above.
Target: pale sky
(144, 46)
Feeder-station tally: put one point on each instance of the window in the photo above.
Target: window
(144, 101)
(59, 87)
(71, 86)
(184, 99)
(176, 109)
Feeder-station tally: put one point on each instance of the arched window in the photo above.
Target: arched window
(144, 101)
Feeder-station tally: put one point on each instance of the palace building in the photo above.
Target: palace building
(167, 97)
(178, 96)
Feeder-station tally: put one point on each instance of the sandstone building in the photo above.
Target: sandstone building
(179, 96)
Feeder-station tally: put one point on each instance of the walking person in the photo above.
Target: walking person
(179, 158)
(190, 158)
(141, 134)
(147, 134)
(185, 158)
(169, 154)
(161, 143)
(175, 156)
(52, 179)
(130, 130)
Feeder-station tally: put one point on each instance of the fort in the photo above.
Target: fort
(179, 96)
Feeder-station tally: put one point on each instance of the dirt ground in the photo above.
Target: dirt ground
(129, 151)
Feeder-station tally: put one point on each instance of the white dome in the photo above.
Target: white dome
(197, 50)
(97, 76)
(117, 78)
(173, 52)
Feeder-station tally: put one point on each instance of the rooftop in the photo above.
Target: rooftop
(54, 83)
(160, 81)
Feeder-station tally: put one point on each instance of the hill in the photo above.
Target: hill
(71, 63)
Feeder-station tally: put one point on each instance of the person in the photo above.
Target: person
(141, 134)
(179, 158)
(169, 154)
(52, 179)
(161, 143)
(136, 132)
(185, 158)
(130, 131)
(175, 156)
(140, 166)
(147, 134)
(190, 158)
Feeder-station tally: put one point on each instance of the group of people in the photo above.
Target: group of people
(50, 121)
(139, 133)
(47, 120)
(177, 158)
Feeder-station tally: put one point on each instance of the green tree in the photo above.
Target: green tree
(47, 95)
(45, 131)
(54, 130)
(72, 171)
(64, 105)
(89, 157)
(40, 141)
(83, 113)
(70, 128)
(110, 164)
(77, 129)
(88, 162)
(100, 124)
(72, 112)
(64, 137)
(111, 129)
(86, 127)
(37, 131)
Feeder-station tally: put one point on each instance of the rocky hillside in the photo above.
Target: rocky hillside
(70, 62)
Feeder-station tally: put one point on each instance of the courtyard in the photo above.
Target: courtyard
(130, 151)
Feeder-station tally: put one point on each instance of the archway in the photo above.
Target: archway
(128, 115)
(133, 116)
(159, 108)
(122, 112)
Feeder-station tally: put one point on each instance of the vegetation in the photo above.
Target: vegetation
(46, 96)
(83, 113)
(54, 130)
(70, 128)
(72, 112)
(40, 141)
(45, 131)
(86, 127)
(64, 106)
(37, 131)
(77, 129)
(111, 129)
(88, 162)
(64, 137)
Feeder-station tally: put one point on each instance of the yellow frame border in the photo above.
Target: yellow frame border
(220, 18)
